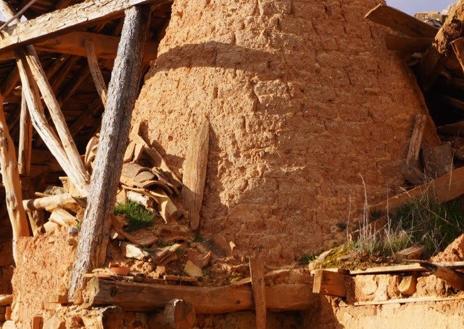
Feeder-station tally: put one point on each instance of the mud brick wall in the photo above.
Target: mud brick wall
(303, 99)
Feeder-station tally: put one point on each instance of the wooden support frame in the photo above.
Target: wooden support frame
(330, 283)
(25, 140)
(206, 300)
(58, 22)
(122, 93)
(258, 286)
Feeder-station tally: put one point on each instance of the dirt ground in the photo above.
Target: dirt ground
(304, 103)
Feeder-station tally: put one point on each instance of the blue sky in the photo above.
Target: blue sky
(414, 6)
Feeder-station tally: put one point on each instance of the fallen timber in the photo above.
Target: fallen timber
(206, 300)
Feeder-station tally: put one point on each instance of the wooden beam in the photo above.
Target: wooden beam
(122, 93)
(206, 300)
(95, 71)
(407, 44)
(73, 43)
(453, 129)
(25, 140)
(443, 189)
(329, 283)
(11, 183)
(258, 286)
(400, 22)
(194, 178)
(58, 22)
(450, 276)
(416, 139)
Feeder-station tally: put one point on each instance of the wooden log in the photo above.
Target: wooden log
(451, 28)
(329, 283)
(11, 183)
(443, 189)
(178, 314)
(95, 71)
(49, 202)
(122, 93)
(400, 22)
(25, 140)
(206, 300)
(415, 142)
(61, 21)
(194, 178)
(258, 286)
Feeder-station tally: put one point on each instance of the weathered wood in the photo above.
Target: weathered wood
(409, 268)
(73, 43)
(407, 44)
(25, 140)
(451, 28)
(95, 71)
(410, 300)
(329, 283)
(194, 178)
(178, 314)
(11, 183)
(400, 21)
(452, 277)
(408, 285)
(453, 129)
(49, 202)
(206, 300)
(60, 21)
(258, 286)
(122, 93)
(415, 142)
(443, 189)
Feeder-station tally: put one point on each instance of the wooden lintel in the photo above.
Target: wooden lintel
(74, 44)
(61, 21)
(329, 283)
(400, 22)
(206, 300)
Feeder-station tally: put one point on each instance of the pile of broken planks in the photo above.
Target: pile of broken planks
(340, 283)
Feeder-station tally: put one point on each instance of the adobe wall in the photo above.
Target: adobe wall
(303, 99)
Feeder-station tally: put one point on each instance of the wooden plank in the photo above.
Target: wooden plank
(449, 275)
(415, 142)
(95, 71)
(400, 21)
(407, 44)
(25, 140)
(329, 283)
(410, 300)
(194, 178)
(258, 286)
(122, 93)
(206, 300)
(443, 189)
(73, 43)
(414, 267)
(60, 21)
(11, 183)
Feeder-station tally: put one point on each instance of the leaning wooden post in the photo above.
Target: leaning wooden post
(122, 93)
(25, 140)
(11, 182)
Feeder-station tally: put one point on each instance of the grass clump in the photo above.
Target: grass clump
(137, 215)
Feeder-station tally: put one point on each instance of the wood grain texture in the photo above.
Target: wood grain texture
(194, 178)
(95, 71)
(25, 140)
(122, 93)
(206, 300)
(415, 142)
(259, 291)
(329, 283)
(60, 21)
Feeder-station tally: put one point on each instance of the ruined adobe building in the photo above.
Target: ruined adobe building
(309, 114)
(304, 102)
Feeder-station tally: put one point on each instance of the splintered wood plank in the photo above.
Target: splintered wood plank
(443, 189)
(206, 300)
(400, 22)
(194, 178)
(329, 283)
(95, 71)
(122, 93)
(60, 21)
(11, 182)
(259, 291)
(25, 140)
(73, 43)
(416, 139)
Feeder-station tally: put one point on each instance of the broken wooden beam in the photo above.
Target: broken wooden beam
(97, 75)
(49, 202)
(73, 43)
(61, 21)
(400, 22)
(415, 142)
(258, 286)
(194, 178)
(122, 93)
(330, 283)
(442, 189)
(25, 140)
(206, 300)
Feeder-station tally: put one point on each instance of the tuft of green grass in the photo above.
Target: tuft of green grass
(137, 215)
